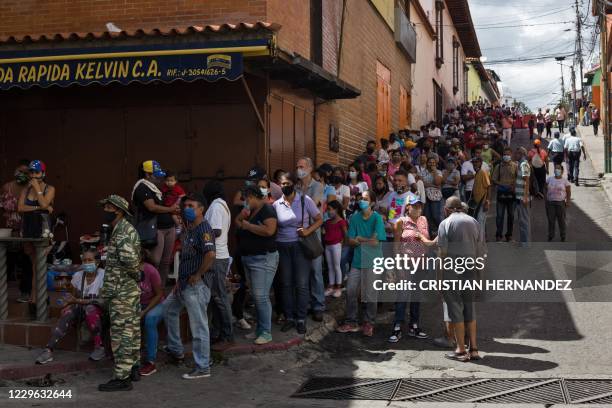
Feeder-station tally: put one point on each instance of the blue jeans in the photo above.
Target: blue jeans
(346, 259)
(415, 312)
(433, 213)
(151, 321)
(195, 299)
(317, 285)
(220, 304)
(294, 270)
(260, 270)
(504, 206)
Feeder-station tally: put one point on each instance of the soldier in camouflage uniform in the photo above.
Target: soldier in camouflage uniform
(122, 294)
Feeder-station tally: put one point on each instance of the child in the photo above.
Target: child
(335, 232)
(172, 194)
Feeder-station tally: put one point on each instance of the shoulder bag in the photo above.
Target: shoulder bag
(311, 244)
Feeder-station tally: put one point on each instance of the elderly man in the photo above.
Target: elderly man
(313, 189)
(459, 236)
(573, 146)
(121, 293)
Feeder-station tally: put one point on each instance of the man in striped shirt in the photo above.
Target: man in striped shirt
(521, 190)
(190, 292)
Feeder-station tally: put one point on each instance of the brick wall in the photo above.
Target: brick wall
(294, 17)
(366, 39)
(21, 17)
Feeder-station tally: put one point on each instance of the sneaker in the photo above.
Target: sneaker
(329, 291)
(24, 298)
(264, 338)
(251, 336)
(148, 369)
(348, 328)
(300, 326)
(415, 331)
(98, 354)
(222, 345)
(367, 329)
(174, 358)
(443, 342)
(243, 324)
(289, 324)
(45, 357)
(197, 373)
(337, 293)
(116, 385)
(396, 335)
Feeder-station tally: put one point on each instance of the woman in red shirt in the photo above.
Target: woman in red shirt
(335, 229)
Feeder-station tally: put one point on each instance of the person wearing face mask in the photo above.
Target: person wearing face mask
(411, 234)
(381, 192)
(315, 190)
(260, 257)
(198, 254)
(370, 154)
(254, 174)
(9, 207)
(335, 229)
(366, 232)
(451, 177)
(294, 266)
(154, 222)
(504, 178)
(356, 185)
(383, 152)
(468, 173)
(396, 202)
(489, 155)
(120, 291)
(556, 149)
(83, 304)
(523, 195)
(558, 192)
(432, 180)
(35, 206)
(343, 192)
(394, 165)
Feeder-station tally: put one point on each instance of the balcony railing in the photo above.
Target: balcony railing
(405, 34)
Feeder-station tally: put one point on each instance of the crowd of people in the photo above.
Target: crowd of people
(421, 190)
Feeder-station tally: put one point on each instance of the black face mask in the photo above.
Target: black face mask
(370, 150)
(108, 217)
(335, 180)
(288, 190)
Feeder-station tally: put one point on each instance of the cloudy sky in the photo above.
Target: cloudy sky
(531, 30)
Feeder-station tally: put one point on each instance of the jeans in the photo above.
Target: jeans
(151, 321)
(161, 255)
(346, 259)
(574, 166)
(504, 206)
(359, 283)
(295, 273)
(548, 129)
(595, 126)
(333, 254)
(433, 213)
(261, 270)
(561, 124)
(555, 212)
(481, 217)
(317, 285)
(507, 135)
(415, 312)
(195, 299)
(524, 222)
(220, 304)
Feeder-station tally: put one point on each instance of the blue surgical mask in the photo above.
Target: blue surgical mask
(558, 173)
(363, 205)
(89, 267)
(189, 214)
(506, 158)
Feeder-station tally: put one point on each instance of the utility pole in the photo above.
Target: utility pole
(560, 61)
(579, 50)
(605, 85)
(573, 99)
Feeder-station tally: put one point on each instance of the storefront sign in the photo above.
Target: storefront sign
(124, 70)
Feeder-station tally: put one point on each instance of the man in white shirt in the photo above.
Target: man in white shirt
(573, 146)
(219, 218)
(468, 173)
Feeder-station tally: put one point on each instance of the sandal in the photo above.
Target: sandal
(461, 357)
(474, 355)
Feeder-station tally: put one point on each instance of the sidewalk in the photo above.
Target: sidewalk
(594, 146)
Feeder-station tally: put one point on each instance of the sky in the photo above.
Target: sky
(532, 29)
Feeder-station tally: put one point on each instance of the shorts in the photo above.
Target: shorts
(460, 304)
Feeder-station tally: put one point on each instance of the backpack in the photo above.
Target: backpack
(536, 161)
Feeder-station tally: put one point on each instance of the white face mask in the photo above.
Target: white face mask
(353, 174)
(264, 191)
(301, 173)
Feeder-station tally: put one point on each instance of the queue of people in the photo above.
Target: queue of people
(419, 191)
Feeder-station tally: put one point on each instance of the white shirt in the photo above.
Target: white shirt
(573, 144)
(343, 191)
(467, 167)
(383, 156)
(92, 289)
(218, 216)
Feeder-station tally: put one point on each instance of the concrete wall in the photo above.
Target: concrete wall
(474, 84)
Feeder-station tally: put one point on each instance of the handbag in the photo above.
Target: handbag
(147, 231)
(311, 245)
(433, 194)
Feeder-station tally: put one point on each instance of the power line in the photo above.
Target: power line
(513, 60)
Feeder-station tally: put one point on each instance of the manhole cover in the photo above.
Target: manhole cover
(465, 390)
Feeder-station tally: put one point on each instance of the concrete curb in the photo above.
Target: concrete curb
(606, 181)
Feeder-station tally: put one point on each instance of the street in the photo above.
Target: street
(517, 340)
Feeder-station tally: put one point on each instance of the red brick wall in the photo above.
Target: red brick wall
(366, 39)
(21, 17)
(332, 16)
(294, 17)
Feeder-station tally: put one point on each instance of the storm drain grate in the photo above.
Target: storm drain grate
(465, 390)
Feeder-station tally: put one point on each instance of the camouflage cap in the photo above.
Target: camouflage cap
(118, 202)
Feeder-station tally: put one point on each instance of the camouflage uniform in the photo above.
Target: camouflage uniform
(121, 291)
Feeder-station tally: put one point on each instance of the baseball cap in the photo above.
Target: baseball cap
(414, 199)
(153, 167)
(37, 166)
(118, 201)
(256, 173)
